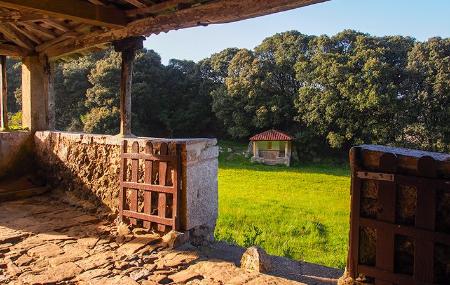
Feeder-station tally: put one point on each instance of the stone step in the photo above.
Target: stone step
(6, 195)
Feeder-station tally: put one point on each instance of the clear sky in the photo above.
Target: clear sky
(420, 19)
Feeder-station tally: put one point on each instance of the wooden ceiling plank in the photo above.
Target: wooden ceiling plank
(47, 44)
(76, 10)
(156, 8)
(136, 3)
(27, 34)
(19, 39)
(39, 30)
(96, 2)
(12, 50)
(56, 25)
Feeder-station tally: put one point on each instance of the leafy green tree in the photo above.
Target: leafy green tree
(353, 86)
(102, 99)
(71, 84)
(429, 97)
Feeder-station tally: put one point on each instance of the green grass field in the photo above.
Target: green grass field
(301, 212)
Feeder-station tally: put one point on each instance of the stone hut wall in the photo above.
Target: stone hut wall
(89, 166)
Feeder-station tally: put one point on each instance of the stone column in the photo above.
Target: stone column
(35, 93)
(3, 95)
(128, 48)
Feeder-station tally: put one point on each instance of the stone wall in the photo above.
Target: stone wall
(89, 166)
(15, 147)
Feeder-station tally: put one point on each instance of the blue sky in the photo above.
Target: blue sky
(421, 19)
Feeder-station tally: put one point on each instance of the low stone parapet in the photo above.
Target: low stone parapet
(89, 166)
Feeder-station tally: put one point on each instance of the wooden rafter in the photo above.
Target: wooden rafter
(76, 10)
(12, 50)
(56, 25)
(157, 8)
(27, 34)
(39, 30)
(57, 40)
(13, 35)
(136, 3)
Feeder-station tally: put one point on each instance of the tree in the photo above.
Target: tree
(353, 86)
(71, 84)
(429, 98)
(102, 99)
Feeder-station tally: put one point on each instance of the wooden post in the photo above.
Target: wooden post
(3, 95)
(50, 90)
(128, 48)
(35, 93)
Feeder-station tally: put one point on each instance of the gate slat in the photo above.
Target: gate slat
(162, 197)
(123, 177)
(385, 244)
(148, 171)
(425, 219)
(134, 178)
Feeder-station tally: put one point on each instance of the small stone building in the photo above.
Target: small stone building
(272, 147)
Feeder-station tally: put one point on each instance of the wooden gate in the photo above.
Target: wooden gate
(400, 230)
(150, 185)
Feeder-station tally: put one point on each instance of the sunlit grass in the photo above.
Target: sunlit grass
(301, 212)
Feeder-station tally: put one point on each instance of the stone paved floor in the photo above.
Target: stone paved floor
(44, 240)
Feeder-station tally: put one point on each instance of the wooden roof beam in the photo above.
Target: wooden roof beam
(10, 32)
(136, 3)
(76, 10)
(12, 50)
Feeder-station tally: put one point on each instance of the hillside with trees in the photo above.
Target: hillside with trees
(330, 92)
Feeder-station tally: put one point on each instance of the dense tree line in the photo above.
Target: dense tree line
(330, 92)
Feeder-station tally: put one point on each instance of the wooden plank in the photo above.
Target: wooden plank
(12, 50)
(28, 34)
(76, 10)
(157, 8)
(149, 187)
(11, 34)
(43, 32)
(385, 244)
(176, 174)
(56, 40)
(162, 197)
(56, 25)
(413, 232)
(148, 173)
(136, 3)
(388, 276)
(147, 217)
(375, 176)
(123, 177)
(3, 95)
(134, 179)
(153, 157)
(353, 253)
(425, 219)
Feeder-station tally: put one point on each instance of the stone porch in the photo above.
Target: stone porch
(59, 239)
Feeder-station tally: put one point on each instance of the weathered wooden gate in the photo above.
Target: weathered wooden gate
(400, 229)
(150, 185)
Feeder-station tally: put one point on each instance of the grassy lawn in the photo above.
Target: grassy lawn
(301, 212)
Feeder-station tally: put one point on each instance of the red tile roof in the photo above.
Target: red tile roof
(271, 135)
